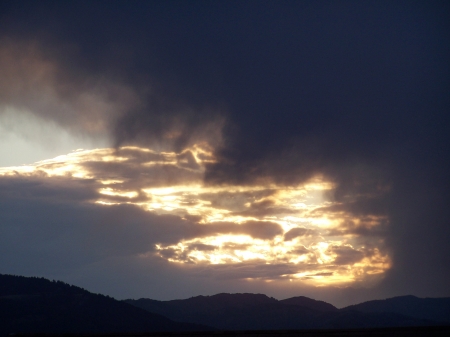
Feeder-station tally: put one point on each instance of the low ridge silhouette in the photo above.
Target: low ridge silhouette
(425, 308)
(37, 305)
(309, 303)
(260, 312)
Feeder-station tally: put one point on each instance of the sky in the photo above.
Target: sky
(169, 149)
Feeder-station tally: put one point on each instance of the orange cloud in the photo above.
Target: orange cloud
(318, 242)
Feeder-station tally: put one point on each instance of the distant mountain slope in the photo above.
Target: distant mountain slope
(232, 311)
(29, 304)
(259, 312)
(213, 309)
(309, 303)
(437, 309)
(37, 305)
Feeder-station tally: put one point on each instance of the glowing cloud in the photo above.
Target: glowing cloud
(318, 241)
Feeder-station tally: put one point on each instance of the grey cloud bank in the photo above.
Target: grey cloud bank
(357, 92)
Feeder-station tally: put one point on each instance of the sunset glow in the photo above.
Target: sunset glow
(292, 226)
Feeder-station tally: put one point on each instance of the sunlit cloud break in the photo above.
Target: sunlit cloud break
(298, 230)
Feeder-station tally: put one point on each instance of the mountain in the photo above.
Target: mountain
(189, 309)
(437, 309)
(259, 312)
(231, 311)
(37, 305)
(307, 302)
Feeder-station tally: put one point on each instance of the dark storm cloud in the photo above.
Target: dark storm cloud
(33, 80)
(346, 255)
(53, 227)
(356, 91)
(365, 215)
(49, 227)
(51, 219)
(34, 199)
(362, 206)
(364, 227)
(37, 187)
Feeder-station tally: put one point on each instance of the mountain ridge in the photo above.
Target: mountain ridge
(410, 305)
(310, 303)
(38, 305)
(259, 312)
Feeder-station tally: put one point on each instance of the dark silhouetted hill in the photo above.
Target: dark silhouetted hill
(307, 302)
(37, 305)
(259, 312)
(218, 309)
(437, 309)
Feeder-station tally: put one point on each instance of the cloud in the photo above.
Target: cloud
(265, 207)
(114, 195)
(346, 255)
(256, 229)
(36, 80)
(236, 200)
(50, 82)
(358, 97)
(294, 232)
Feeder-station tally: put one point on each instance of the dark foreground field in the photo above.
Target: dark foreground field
(400, 332)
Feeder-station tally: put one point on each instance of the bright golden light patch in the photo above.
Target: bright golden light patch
(113, 192)
(295, 229)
